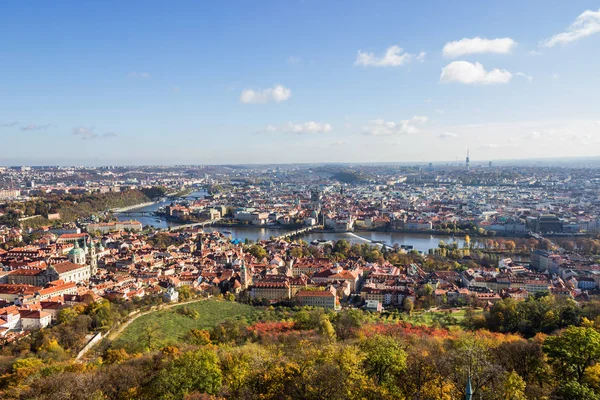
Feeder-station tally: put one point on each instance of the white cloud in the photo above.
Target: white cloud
(469, 73)
(143, 75)
(308, 127)
(34, 127)
(478, 45)
(586, 24)
(534, 135)
(293, 60)
(380, 127)
(88, 133)
(277, 94)
(299, 129)
(339, 143)
(394, 57)
(524, 75)
(556, 76)
(421, 56)
(448, 135)
(489, 146)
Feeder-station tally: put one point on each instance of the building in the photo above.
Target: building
(77, 255)
(318, 298)
(171, 295)
(68, 272)
(34, 319)
(271, 290)
(115, 226)
(373, 306)
(23, 276)
(549, 223)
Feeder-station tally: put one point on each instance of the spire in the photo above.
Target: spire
(469, 390)
(467, 160)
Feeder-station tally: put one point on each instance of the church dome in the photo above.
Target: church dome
(76, 251)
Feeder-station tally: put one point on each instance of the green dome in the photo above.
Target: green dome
(76, 250)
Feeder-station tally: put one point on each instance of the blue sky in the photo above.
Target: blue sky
(188, 82)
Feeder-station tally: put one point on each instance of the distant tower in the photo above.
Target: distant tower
(467, 160)
(490, 164)
(244, 279)
(93, 259)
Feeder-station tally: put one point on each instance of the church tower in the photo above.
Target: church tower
(93, 259)
(244, 277)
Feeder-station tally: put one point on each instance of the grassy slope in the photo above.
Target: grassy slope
(173, 327)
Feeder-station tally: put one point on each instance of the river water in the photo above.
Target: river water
(420, 241)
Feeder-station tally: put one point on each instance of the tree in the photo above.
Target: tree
(341, 246)
(257, 251)
(296, 252)
(115, 356)
(185, 293)
(150, 335)
(573, 351)
(199, 337)
(192, 371)
(347, 322)
(408, 305)
(384, 358)
(325, 328)
(514, 387)
(575, 391)
(25, 367)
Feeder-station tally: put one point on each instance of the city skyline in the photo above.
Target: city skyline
(300, 82)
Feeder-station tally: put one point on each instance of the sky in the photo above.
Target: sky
(227, 82)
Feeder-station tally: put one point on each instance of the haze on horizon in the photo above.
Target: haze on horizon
(235, 82)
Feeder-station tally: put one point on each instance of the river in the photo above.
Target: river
(420, 241)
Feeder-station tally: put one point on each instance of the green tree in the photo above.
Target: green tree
(575, 391)
(347, 322)
(257, 251)
(192, 371)
(573, 351)
(384, 358)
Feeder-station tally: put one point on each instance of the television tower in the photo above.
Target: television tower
(467, 160)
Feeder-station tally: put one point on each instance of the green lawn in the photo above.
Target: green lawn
(430, 317)
(168, 326)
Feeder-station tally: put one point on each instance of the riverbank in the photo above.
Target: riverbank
(446, 233)
(133, 207)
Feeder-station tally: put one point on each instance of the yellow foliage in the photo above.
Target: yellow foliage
(592, 376)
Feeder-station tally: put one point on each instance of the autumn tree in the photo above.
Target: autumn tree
(573, 351)
(384, 358)
(192, 371)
